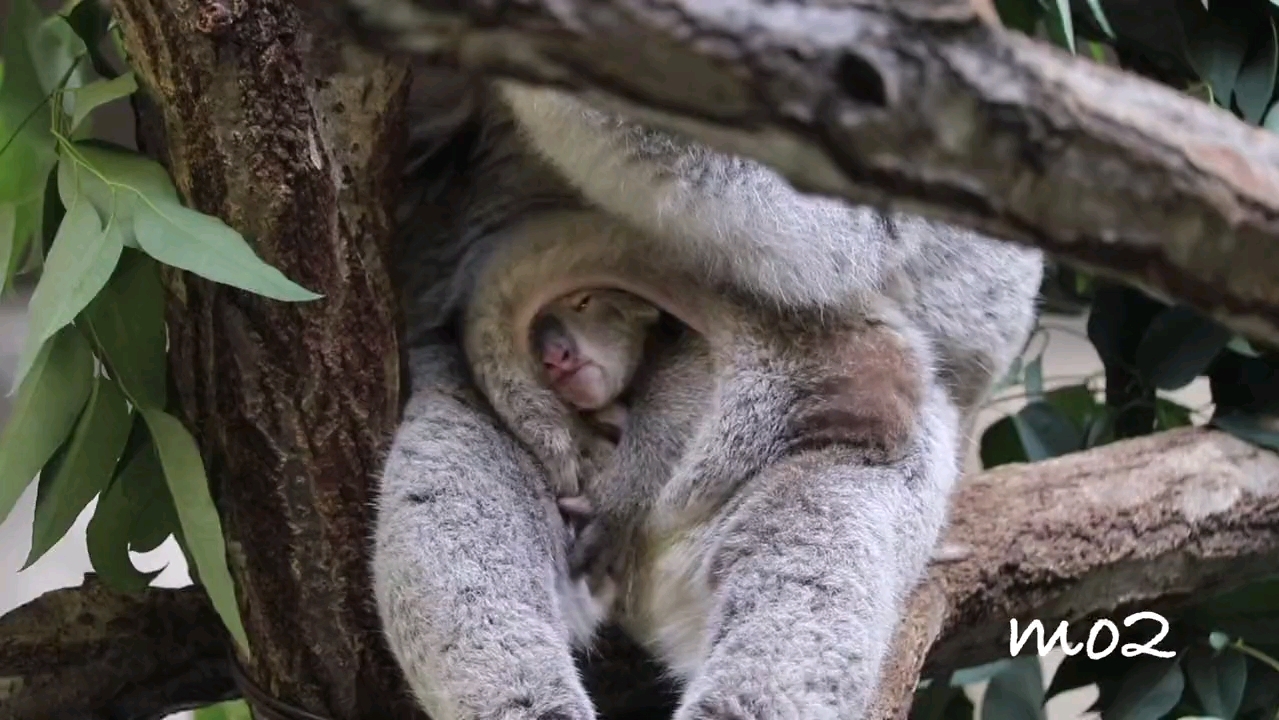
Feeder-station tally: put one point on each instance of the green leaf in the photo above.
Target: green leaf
(202, 244)
(45, 411)
(83, 257)
(1178, 346)
(1250, 428)
(1218, 640)
(1218, 680)
(978, 673)
(230, 710)
(99, 93)
(1256, 82)
(201, 526)
(1046, 432)
(8, 238)
(139, 192)
(1149, 690)
(1018, 14)
(1010, 378)
(1169, 415)
(1216, 52)
(1001, 444)
(1061, 26)
(1240, 344)
(89, 20)
(124, 511)
(1034, 378)
(1076, 402)
(84, 470)
(1017, 693)
(1271, 122)
(1077, 671)
(1100, 17)
(26, 143)
(126, 323)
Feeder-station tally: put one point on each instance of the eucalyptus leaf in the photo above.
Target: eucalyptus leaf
(83, 257)
(198, 516)
(1255, 85)
(1271, 122)
(1100, 16)
(89, 20)
(230, 710)
(84, 470)
(27, 147)
(8, 237)
(1169, 415)
(49, 402)
(1018, 14)
(202, 244)
(1218, 679)
(1218, 640)
(1001, 444)
(1148, 691)
(978, 673)
(1034, 377)
(99, 93)
(1216, 51)
(1076, 402)
(126, 323)
(1061, 26)
(1250, 428)
(1240, 344)
(1046, 432)
(115, 180)
(126, 504)
(1016, 693)
(1178, 346)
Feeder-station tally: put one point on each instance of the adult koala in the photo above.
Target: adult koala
(808, 567)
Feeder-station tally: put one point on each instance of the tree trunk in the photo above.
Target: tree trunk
(291, 139)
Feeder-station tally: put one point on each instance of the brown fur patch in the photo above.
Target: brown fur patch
(868, 398)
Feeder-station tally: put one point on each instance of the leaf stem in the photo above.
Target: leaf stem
(22, 125)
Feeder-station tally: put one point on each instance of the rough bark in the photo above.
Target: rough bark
(90, 652)
(1154, 522)
(292, 139)
(923, 104)
(1157, 522)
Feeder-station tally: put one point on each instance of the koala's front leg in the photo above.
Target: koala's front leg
(469, 562)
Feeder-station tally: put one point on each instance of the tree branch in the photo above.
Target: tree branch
(922, 104)
(1156, 522)
(91, 652)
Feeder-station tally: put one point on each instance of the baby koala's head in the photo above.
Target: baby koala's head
(591, 342)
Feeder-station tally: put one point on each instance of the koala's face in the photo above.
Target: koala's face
(590, 344)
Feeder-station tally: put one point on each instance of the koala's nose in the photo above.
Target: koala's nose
(557, 353)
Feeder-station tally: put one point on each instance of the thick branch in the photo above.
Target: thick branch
(293, 139)
(1156, 522)
(922, 104)
(90, 652)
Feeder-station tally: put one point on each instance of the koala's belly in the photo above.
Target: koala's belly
(668, 604)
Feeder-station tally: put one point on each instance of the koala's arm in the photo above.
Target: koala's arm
(672, 391)
(468, 568)
(735, 221)
(810, 570)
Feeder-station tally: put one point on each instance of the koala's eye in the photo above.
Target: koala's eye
(581, 304)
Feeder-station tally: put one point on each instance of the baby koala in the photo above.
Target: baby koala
(591, 343)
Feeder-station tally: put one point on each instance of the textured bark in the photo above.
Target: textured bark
(920, 103)
(292, 139)
(91, 653)
(1156, 522)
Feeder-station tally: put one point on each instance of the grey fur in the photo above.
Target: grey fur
(790, 590)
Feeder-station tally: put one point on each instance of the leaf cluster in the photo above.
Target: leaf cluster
(1227, 53)
(93, 223)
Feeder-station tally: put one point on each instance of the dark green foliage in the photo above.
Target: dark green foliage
(1224, 666)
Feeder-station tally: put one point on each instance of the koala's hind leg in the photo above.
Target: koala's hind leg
(469, 568)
